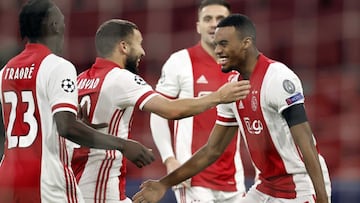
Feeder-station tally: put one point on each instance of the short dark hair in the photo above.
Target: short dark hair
(205, 3)
(31, 17)
(242, 24)
(111, 32)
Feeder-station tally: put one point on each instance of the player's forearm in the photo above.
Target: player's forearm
(228, 93)
(313, 167)
(87, 136)
(189, 107)
(199, 161)
(219, 139)
(303, 138)
(71, 128)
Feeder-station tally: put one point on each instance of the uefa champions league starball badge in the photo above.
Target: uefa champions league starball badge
(139, 80)
(289, 86)
(68, 85)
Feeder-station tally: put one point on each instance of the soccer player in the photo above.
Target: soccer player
(112, 89)
(273, 122)
(39, 103)
(189, 73)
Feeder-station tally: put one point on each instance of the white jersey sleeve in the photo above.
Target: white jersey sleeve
(174, 73)
(225, 114)
(284, 89)
(129, 89)
(61, 84)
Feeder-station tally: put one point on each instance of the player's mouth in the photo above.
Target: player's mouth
(222, 60)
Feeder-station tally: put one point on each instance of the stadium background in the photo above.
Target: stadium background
(319, 40)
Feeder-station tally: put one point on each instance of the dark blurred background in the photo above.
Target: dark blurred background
(318, 39)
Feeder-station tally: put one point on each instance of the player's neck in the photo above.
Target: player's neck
(51, 43)
(118, 60)
(209, 49)
(250, 63)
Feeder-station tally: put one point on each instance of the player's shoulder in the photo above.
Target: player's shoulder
(120, 72)
(179, 54)
(280, 69)
(280, 75)
(123, 75)
(58, 60)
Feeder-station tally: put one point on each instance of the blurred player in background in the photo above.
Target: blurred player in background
(39, 103)
(112, 89)
(272, 119)
(189, 73)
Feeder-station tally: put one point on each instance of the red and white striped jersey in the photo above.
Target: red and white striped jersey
(34, 85)
(274, 87)
(111, 92)
(192, 73)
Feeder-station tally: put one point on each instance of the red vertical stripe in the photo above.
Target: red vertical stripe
(69, 176)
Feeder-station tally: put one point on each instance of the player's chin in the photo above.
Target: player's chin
(225, 69)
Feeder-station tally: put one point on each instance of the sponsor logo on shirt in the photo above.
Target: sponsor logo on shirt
(253, 127)
(202, 80)
(294, 98)
(241, 105)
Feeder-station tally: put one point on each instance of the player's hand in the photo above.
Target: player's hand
(83, 115)
(233, 91)
(138, 153)
(151, 192)
(171, 164)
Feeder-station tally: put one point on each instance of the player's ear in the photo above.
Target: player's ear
(123, 47)
(247, 42)
(198, 27)
(54, 27)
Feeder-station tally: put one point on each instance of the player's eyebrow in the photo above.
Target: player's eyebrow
(221, 42)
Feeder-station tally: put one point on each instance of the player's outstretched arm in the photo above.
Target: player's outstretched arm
(153, 191)
(71, 128)
(181, 108)
(232, 91)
